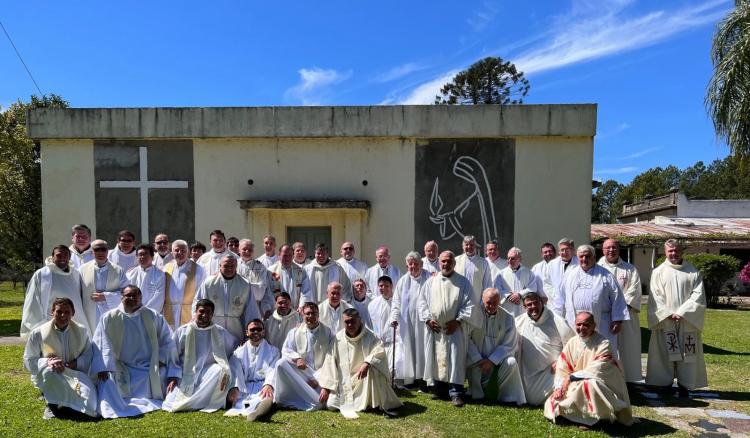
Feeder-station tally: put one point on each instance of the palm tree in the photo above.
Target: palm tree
(728, 93)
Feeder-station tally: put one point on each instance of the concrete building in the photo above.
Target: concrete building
(677, 204)
(395, 175)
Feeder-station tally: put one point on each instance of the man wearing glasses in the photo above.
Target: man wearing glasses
(515, 281)
(124, 255)
(101, 284)
(163, 254)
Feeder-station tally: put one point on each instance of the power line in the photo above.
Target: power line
(22, 62)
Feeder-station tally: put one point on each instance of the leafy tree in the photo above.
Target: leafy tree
(606, 205)
(728, 93)
(20, 187)
(488, 81)
(655, 182)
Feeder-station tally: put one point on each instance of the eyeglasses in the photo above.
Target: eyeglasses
(255, 330)
(99, 249)
(162, 242)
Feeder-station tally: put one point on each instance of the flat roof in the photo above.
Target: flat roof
(403, 121)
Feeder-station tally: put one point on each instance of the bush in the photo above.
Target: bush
(715, 269)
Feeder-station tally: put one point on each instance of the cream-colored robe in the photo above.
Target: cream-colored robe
(116, 281)
(234, 306)
(597, 389)
(676, 289)
(277, 327)
(333, 318)
(72, 388)
(477, 270)
(629, 338)
(293, 281)
(445, 299)
(520, 281)
(539, 345)
(45, 285)
(339, 374)
(202, 364)
(323, 275)
(496, 340)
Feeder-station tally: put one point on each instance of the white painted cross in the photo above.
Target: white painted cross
(143, 184)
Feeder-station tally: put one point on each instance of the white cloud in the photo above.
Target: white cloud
(315, 85)
(589, 33)
(615, 171)
(592, 30)
(618, 129)
(480, 18)
(398, 72)
(640, 153)
(425, 94)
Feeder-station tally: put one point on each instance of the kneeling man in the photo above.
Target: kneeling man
(589, 385)
(134, 348)
(356, 375)
(199, 380)
(253, 365)
(303, 355)
(58, 354)
(542, 334)
(491, 347)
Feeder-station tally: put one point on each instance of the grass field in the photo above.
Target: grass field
(727, 352)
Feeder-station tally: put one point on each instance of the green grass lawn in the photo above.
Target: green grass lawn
(727, 353)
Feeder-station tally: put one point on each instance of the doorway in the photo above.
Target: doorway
(310, 236)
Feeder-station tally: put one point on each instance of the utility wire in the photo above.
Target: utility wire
(22, 62)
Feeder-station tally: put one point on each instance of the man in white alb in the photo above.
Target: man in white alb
(151, 280)
(123, 255)
(557, 268)
(540, 269)
(163, 251)
(287, 277)
(80, 249)
(354, 267)
(257, 275)
(515, 281)
(379, 269)
(477, 270)
(186, 276)
(269, 256)
(497, 263)
(283, 320)
(210, 260)
(323, 271)
(430, 262)
(101, 284)
(332, 308)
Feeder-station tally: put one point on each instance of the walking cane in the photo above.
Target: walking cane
(393, 361)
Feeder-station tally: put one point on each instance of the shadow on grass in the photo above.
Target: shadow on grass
(410, 408)
(11, 303)
(730, 395)
(708, 349)
(646, 427)
(10, 327)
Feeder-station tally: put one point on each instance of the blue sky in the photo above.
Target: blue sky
(646, 64)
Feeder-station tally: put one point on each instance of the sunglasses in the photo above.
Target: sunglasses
(255, 330)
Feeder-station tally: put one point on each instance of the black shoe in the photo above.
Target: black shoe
(457, 401)
(682, 391)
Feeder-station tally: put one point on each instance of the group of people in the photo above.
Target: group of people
(121, 332)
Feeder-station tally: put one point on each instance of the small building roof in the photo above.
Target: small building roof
(662, 228)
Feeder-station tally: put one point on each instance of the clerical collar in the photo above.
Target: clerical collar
(102, 266)
(516, 269)
(62, 330)
(228, 278)
(566, 264)
(357, 336)
(81, 251)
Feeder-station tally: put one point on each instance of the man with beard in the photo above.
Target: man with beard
(297, 372)
(356, 375)
(283, 320)
(542, 336)
(253, 365)
(230, 294)
(134, 353)
(58, 355)
(200, 378)
(445, 306)
(57, 279)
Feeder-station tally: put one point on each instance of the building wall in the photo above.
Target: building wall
(67, 189)
(721, 208)
(553, 192)
(295, 169)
